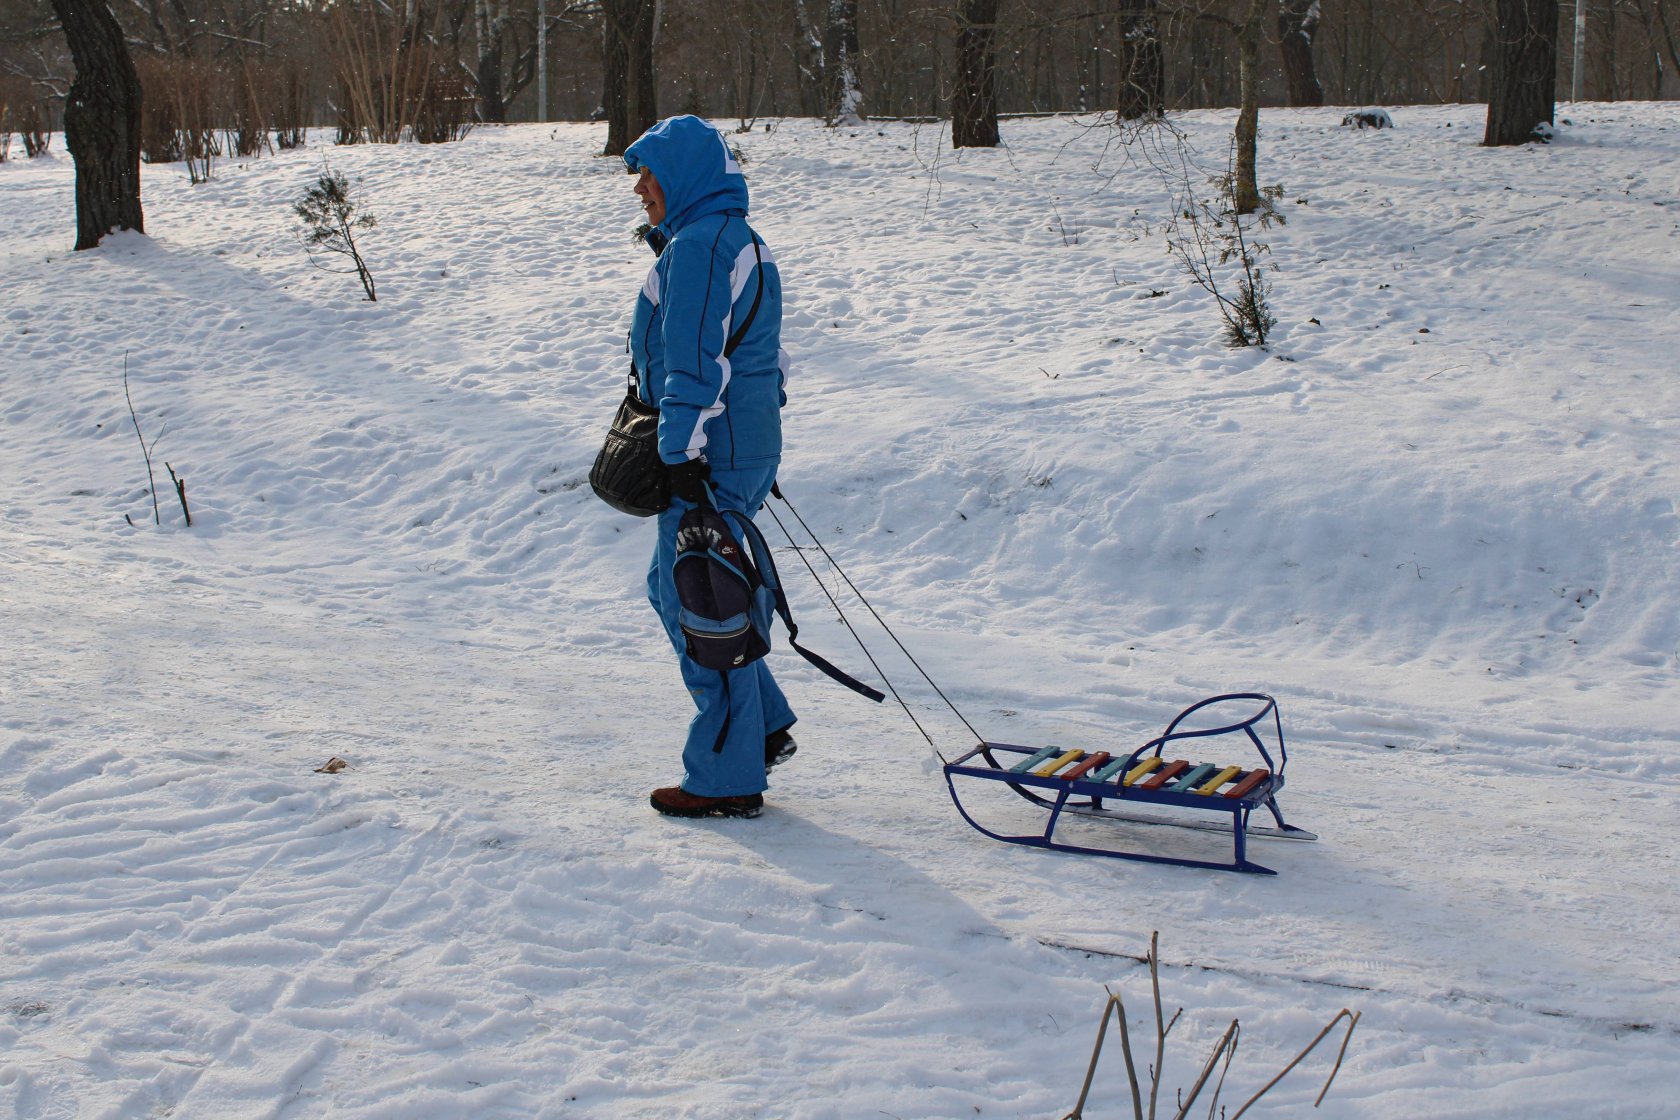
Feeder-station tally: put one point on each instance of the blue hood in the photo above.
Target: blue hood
(695, 169)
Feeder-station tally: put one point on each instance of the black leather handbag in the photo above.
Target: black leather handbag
(628, 474)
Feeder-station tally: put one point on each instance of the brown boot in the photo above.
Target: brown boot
(674, 801)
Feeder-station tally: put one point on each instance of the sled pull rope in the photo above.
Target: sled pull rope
(775, 489)
(803, 559)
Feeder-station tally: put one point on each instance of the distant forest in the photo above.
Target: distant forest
(255, 68)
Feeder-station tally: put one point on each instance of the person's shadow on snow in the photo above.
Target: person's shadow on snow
(863, 891)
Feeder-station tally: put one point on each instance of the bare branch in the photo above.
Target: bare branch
(1353, 1021)
(1227, 1048)
(145, 450)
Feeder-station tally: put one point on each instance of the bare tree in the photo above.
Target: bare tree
(101, 122)
(1654, 18)
(504, 50)
(974, 121)
(747, 61)
(1143, 91)
(492, 20)
(806, 50)
(1245, 191)
(844, 101)
(765, 58)
(387, 63)
(628, 94)
(1375, 51)
(1297, 24)
(1524, 90)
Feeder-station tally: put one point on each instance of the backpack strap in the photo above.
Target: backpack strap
(740, 332)
(766, 565)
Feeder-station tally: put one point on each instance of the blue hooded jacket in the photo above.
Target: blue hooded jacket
(702, 287)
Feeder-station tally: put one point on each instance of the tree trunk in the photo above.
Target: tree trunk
(840, 64)
(974, 121)
(1142, 75)
(1612, 71)
(1297, 24)
(807, 52)
(1658, 42)
(628, 28)
(492, 104)
(510, 74)
(1523, 93)
(490, 19)
(1245, 192)
(101, 122)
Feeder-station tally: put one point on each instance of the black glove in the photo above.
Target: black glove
(687, 479)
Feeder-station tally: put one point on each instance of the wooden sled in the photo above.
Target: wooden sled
(1114, 787)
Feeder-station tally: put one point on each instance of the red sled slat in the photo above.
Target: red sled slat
(1242, 788)
(1164, 775)
(1086, 766)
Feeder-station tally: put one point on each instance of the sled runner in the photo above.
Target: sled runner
(1148, 785)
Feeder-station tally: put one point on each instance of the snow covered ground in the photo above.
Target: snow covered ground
(1436, 518)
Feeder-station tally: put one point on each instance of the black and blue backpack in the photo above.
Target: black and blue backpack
(728, 594)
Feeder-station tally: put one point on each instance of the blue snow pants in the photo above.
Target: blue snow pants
(744, 705)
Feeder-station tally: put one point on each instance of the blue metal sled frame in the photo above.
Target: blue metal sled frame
(1179, 785)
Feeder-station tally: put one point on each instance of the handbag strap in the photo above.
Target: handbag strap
(740, 332)
(735, 336)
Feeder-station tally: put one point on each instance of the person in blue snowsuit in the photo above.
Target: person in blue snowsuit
(719, 421)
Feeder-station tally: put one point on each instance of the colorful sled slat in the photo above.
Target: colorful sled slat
(1056, 764)
(1110, 770)
(1028, 763)
(1218, 780)
(1246, 785)
(1193, 778)
(1172, 770)
(1085, 767)
(1141, 769)
(1102, 785)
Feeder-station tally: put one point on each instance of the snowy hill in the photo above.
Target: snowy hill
(1436, 518)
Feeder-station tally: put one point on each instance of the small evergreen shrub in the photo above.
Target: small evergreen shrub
(330, 219)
